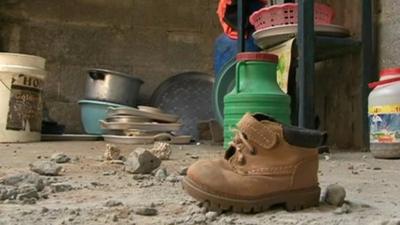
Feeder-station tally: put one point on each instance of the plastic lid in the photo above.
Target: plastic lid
(390, 72)
(257, 56)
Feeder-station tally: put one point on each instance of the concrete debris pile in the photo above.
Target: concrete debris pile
(27, 188)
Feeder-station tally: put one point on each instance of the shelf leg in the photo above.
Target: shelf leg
(305, 43)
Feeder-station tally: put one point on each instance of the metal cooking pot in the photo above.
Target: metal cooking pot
(112, 86)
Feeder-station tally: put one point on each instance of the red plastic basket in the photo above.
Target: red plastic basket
(286, 14)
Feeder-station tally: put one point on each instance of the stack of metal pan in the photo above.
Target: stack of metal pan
(142, 125)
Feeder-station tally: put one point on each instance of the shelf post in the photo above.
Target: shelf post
(368, 64)
(241, 24)
(305, 43)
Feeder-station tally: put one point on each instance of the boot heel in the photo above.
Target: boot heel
(299, 200)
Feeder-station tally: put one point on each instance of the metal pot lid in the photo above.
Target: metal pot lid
(112, 72)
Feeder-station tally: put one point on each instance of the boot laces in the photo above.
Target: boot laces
(241, 144)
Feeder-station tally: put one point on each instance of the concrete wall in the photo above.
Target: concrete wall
(388, 33)
(151, 39)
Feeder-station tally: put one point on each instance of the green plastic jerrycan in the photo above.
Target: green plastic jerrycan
(256, 91)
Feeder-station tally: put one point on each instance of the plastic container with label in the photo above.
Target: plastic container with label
(21, 84)
(384, 115)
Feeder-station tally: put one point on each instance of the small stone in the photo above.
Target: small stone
(146, 185)
(60, 187)
(335, 195)
(44, 210)
(183, 171)
(109, 173)
(117, 161)
(161, 174)
(111, 153)
(60, 158)
(345, 209)
(94, 183)
(141, 161)
(75, 159)
(350, 167)
(182, 203)
(194, 157)
(211, 216)
(199, 218)
(113, 203)
(47, 168)
(226, 220)
(146, 211)
(140, 177)
(99, 158)
(27, 191)
(29, 201)
(114, 218)
(172, 178)
(327, 157)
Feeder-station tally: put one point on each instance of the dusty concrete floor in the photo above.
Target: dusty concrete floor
(372, 190)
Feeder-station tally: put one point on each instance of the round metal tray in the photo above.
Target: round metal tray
(271, 36)
(161, 127)
(187, 95)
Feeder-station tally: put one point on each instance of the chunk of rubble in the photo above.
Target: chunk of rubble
(27, 191)
(141, 161)
(161, 174)
(146, 211)
(113, 203)
(161, 150)
(47, 168)
(112, 152)
(60, 158)
(60, 187)
(183, 171)
(23, 178)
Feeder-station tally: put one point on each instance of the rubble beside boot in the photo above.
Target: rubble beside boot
(267, 164)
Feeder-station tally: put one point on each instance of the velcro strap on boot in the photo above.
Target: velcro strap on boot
(259, 133)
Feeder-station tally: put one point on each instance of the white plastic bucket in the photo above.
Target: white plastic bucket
(384, 115)
(21, 84)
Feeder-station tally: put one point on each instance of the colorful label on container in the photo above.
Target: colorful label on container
(384, 124)
(25, 111)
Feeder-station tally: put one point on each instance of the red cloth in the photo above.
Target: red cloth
(221, 14)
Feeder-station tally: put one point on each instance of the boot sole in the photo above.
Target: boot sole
(292, 200)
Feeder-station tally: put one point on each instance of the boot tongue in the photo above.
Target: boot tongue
(260, 134)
